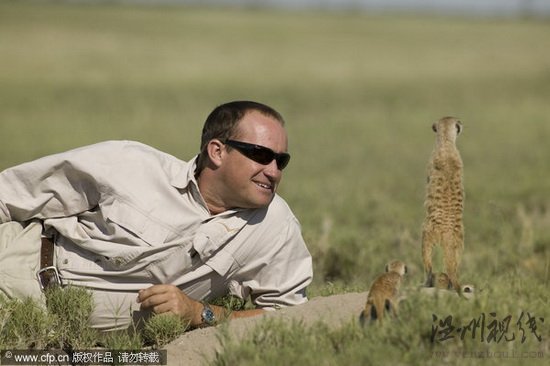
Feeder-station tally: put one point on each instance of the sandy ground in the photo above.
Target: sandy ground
(199, 346)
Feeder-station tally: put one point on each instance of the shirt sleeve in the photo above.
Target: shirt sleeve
(284, 272)
(58, 185)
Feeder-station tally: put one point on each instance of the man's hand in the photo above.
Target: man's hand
(170, 299)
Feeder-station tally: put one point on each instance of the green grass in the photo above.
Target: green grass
(359, 92)
(64, 324)
(407, 340)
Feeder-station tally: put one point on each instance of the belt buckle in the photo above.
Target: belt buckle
(48, 276)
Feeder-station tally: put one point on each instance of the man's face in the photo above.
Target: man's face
(249, 184)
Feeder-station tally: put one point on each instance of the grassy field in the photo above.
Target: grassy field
(359, 92)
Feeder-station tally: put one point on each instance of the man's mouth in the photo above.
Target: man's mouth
(267, 186)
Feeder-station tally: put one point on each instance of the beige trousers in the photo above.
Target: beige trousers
(20, 260)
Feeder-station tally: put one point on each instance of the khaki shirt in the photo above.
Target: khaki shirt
(126, 216)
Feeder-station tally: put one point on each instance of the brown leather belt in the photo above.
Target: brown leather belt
(46, 253)
(47, 275)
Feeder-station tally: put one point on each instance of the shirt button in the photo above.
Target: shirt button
(65, 261)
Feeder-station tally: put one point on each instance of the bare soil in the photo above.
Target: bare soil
(199, 346)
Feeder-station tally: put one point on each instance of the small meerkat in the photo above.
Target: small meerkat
(444, 202)
(383, 293)
(467, 291)
(442, 281)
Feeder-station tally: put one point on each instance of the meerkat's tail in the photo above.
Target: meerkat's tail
(368, 314)
(374, 311)
(377, 310)
(428, 242)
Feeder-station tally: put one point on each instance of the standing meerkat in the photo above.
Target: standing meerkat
(444, 202)
(383, 293)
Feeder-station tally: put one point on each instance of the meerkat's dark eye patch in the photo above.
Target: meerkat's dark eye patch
(458, 127)
(434, 127)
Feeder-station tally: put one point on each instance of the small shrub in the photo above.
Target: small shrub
(121, 340)
(161, 329)
(24, 324)
(72, 307)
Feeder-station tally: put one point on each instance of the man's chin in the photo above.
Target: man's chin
(260, 202)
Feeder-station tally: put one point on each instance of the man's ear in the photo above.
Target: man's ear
(215, 150)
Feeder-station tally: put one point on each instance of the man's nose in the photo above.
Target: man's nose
(272, 170)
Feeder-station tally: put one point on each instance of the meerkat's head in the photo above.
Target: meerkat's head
(442, 281)
(447, 128)
(396, 266)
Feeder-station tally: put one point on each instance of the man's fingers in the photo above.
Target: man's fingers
(170, 299)
(150, 301)
(162, 299)
(154, 290)
(167, 308)
(159, 305)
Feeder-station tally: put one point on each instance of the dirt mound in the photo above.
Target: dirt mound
(199, 346)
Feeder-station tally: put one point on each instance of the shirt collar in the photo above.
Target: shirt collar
(186, 175)
(185, 180)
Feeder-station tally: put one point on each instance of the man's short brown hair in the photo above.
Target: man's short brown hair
(222, 124)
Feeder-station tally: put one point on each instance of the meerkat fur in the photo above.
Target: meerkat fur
(442, 281)
(444, 202)
(384, 292)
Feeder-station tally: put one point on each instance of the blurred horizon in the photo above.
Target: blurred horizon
(485, 8)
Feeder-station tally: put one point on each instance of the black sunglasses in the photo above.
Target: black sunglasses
(260, 154)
